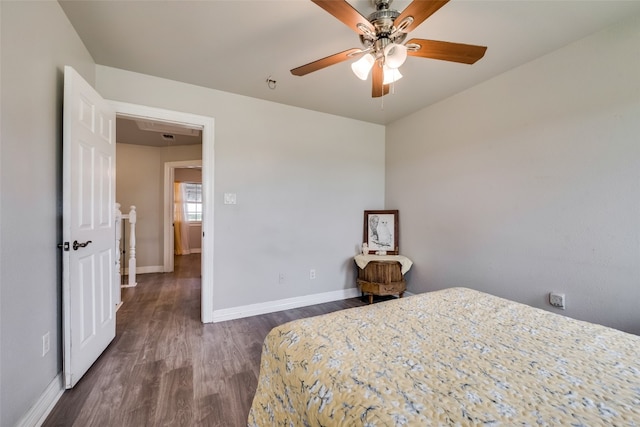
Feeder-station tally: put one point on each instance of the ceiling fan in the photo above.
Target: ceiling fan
(382, 34)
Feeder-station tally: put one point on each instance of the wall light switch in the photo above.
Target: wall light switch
(557, 300)
(229, 198)
(46, 345)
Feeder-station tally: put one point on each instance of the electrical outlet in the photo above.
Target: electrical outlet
(281, 278)
(46, 344)
(557, 300)
(312, 274)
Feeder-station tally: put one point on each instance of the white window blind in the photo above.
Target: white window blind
(193, 201)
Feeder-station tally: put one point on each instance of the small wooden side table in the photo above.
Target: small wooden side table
(382, 275)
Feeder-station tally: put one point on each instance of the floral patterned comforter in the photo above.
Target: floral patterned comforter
(451, 357)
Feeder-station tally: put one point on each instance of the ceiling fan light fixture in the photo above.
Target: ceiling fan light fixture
(362, 66)
(382, 35)
(390, 75)
(394, 55)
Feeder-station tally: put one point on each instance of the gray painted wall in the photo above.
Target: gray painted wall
(140, 182)
(521, 185)
(188, 174)
(302, 179)
(37, 42)
(530, 182)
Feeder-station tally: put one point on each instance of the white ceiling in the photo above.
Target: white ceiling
(130, 131)
(235, 45)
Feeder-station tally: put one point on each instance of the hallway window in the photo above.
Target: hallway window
(193, 201)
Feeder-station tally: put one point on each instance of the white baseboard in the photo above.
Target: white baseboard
(190, 251)
(145, 270)
(39, 412)
(283, 304)
(142, 270)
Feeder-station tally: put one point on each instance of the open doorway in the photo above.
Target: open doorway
(187, 220)
(144, 148)
(166, 123)
(183, 222)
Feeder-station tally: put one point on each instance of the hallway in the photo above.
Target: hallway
(166, 368)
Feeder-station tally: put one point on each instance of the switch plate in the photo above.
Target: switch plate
(46, 344)
(229, 198)
(312, 274)
(557, 300)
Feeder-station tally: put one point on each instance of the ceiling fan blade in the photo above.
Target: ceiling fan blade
(377, 75)
(325, 62)
(419, 10)
(344, 12)
(446, 51)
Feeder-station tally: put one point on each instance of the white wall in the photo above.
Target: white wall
(530, 182)
(37, 41)
(188, 174)
(302, 179)
(139, 182)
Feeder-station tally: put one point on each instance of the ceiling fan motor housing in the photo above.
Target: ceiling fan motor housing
(382, 20)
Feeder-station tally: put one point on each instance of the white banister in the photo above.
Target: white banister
(132, 246)
(118, 239)
(131, 270)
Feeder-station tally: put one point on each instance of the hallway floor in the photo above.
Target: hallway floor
(166, 368)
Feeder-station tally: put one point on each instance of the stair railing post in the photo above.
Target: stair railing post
(118, 279)
(132, 246)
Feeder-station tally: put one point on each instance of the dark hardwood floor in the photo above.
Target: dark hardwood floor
(166, 368)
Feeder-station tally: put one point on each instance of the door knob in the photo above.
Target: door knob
(77, 245)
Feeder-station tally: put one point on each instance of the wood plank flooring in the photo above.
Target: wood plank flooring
(166, 368)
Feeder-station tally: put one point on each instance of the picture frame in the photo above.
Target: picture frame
(380, 231)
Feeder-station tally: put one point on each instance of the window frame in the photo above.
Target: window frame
(187, 203)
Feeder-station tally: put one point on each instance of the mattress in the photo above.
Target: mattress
(450, 357)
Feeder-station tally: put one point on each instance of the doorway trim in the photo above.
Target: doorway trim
(140, 111)
(167, 223)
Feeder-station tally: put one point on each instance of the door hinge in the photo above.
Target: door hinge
(64, 246)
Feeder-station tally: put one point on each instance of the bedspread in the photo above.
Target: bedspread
(451, 357)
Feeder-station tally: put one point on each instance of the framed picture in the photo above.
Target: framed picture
(381, 231)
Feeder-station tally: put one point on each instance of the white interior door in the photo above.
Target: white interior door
(88, 226)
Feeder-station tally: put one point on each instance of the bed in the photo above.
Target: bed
(450, 357)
